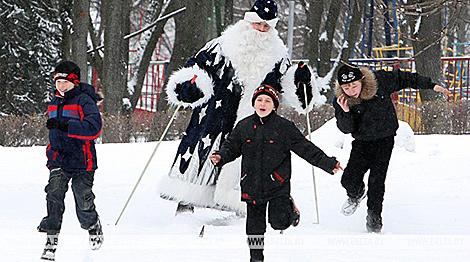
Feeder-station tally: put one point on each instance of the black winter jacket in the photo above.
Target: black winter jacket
(265, 145)
(372, 116)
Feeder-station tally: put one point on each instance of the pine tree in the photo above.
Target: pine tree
(29, 48)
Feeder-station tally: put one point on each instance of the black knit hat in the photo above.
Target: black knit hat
(266, 90)
(263, 11)
(67, 70)
(348, 74)
(266, 9)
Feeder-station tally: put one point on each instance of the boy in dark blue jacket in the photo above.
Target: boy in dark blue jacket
(74, 123)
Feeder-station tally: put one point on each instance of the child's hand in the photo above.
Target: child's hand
(443, 90)
(215, 158)
(343, 103)
(337, 168)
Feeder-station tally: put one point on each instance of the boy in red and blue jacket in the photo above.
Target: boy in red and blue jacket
(74, 123)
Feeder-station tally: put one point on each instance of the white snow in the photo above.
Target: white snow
(418, 22)
(426, 215)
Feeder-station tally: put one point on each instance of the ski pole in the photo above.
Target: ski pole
(148, 162)
(309, 130)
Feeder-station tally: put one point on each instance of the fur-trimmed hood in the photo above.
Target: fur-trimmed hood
(369, 88)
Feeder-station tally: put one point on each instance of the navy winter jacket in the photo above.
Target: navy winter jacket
(74, 151)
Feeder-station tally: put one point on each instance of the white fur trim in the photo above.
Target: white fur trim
(176, 189)
(227, 191)
(203, 82)
(292, 99)
(289, 88)
(253, 17)
(318, 99)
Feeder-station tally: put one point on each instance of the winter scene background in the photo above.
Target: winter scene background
(128, 49)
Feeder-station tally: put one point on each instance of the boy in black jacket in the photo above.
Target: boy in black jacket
(364, 108)
(264, 140)
(74, 123)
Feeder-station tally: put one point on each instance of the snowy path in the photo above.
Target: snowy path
(426, 214)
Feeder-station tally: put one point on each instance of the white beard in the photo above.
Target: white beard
(253, 55)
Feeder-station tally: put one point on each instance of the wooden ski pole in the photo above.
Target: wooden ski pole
(149, 160)
(309, 130)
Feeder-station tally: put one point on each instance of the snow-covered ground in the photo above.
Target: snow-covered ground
(426, 209)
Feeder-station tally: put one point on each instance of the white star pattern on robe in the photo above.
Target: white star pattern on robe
(187, 155)
(218, 103)
(202, 114)
(266, 9)
(208, 62)
(207, 141)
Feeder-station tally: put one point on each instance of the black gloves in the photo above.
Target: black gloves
(303, 77)
(188, 92)
(54, 123)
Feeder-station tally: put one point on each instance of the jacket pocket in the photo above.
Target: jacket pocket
(277, 177)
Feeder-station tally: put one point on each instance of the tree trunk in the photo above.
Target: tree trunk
(188, 39)
(427, 50)
(66, 43)
(147, 56)
(81, 12)
(354, 29)
(219, 24)
(388, 27)
(228, 13)
(314, 14)
(114, 75)
(326, 38)
(95, 58)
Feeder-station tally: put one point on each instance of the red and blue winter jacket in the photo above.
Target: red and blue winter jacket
(74, 150)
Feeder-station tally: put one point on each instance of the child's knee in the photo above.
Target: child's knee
(56, 187)
(280, 221)
(85, 199)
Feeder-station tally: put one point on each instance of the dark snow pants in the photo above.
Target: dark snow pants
(280, 214)
(82, 184)
(368, 155)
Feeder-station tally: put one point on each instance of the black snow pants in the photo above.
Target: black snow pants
(368, 155)
(280, 216)
(56, 188)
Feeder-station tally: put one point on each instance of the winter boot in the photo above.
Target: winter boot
(295, 213)
(96, 235)
(256, 255)
(50, 248)
(373, 222)
(182, 208)
(352, 203)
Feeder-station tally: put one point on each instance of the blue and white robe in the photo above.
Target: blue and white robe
(228, 69)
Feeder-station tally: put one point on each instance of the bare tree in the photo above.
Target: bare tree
(352, 31)
(81, 10)
(314, 13)
(228, 13)
(189, 39)
(327, 36)
(146, 56)
(65, 11)
(116, 50)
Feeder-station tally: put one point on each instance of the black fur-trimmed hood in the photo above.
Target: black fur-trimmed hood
(369, 88)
